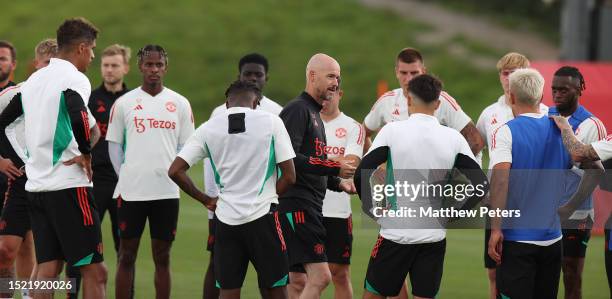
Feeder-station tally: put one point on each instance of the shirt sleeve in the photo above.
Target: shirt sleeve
(116, 124)
(603, 148)
(501, 146)
(194, 149)
(374, 120)
(381, 138)
(354, 140)
(450, 113)
(186, 126)
(282, 143)
(591, 130)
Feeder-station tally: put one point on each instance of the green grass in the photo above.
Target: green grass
(205, 39)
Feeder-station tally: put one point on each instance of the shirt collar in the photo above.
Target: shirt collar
(123, 89)
(238, 109)
(59, 61)
(424, 117)
(310, 99)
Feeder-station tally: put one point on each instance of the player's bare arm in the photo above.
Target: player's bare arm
(95, 135)
(473, 137)
(178, 173)
(580, 152)
(287, 178)
(499, 195)
(593, 171)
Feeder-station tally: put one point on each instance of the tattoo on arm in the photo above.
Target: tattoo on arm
(578, 150)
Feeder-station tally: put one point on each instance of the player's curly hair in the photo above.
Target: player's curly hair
(147, 49)
(238, 87)
(75, 30)
(570, 71)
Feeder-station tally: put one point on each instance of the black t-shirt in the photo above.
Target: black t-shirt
(314, 173)
(100, 104)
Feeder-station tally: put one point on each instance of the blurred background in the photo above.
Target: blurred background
(461, 41)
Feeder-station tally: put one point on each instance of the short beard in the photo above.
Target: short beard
(112, 82)
(4, 76)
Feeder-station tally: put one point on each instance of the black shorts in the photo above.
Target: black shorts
(390, 262)
(488, 261)
(15, 220)
(260, 242)
(529, 271)
(66, 226)
(339, 239)
(212, 227)
(576, 239)
(103, 192)
(162, 215)
(305, 237)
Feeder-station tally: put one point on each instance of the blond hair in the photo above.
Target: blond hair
(527, 85)
(47, 47)
(512, 60)
(117, 49)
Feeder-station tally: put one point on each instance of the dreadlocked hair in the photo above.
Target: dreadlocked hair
(148, 49)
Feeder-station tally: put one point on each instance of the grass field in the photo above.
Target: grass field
(205, 39)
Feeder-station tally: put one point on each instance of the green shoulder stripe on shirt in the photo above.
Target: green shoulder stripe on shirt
(63, 131)
(271, 165)
(212, 163)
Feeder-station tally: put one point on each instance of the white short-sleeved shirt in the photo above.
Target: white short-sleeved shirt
(345, 137)
(244, 163)
(493, 117)
(150, 128)
(603, 148)
(419, 143)
(393, 106)
(48, 134)
(265, 104)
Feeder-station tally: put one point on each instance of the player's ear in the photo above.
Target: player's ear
(409, 99)
(512, 99)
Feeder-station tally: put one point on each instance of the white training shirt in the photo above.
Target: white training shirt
(345, 137)
(393, 106)
(494, 116)
(419, 143)
(603, 148)
(15, 132)
(49, 140)
(151, 129)
(244, 164)
(209, 179)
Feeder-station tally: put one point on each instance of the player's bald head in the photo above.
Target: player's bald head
(322, 62)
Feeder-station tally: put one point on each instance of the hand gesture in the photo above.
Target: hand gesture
(84, 161)
(9, 169)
